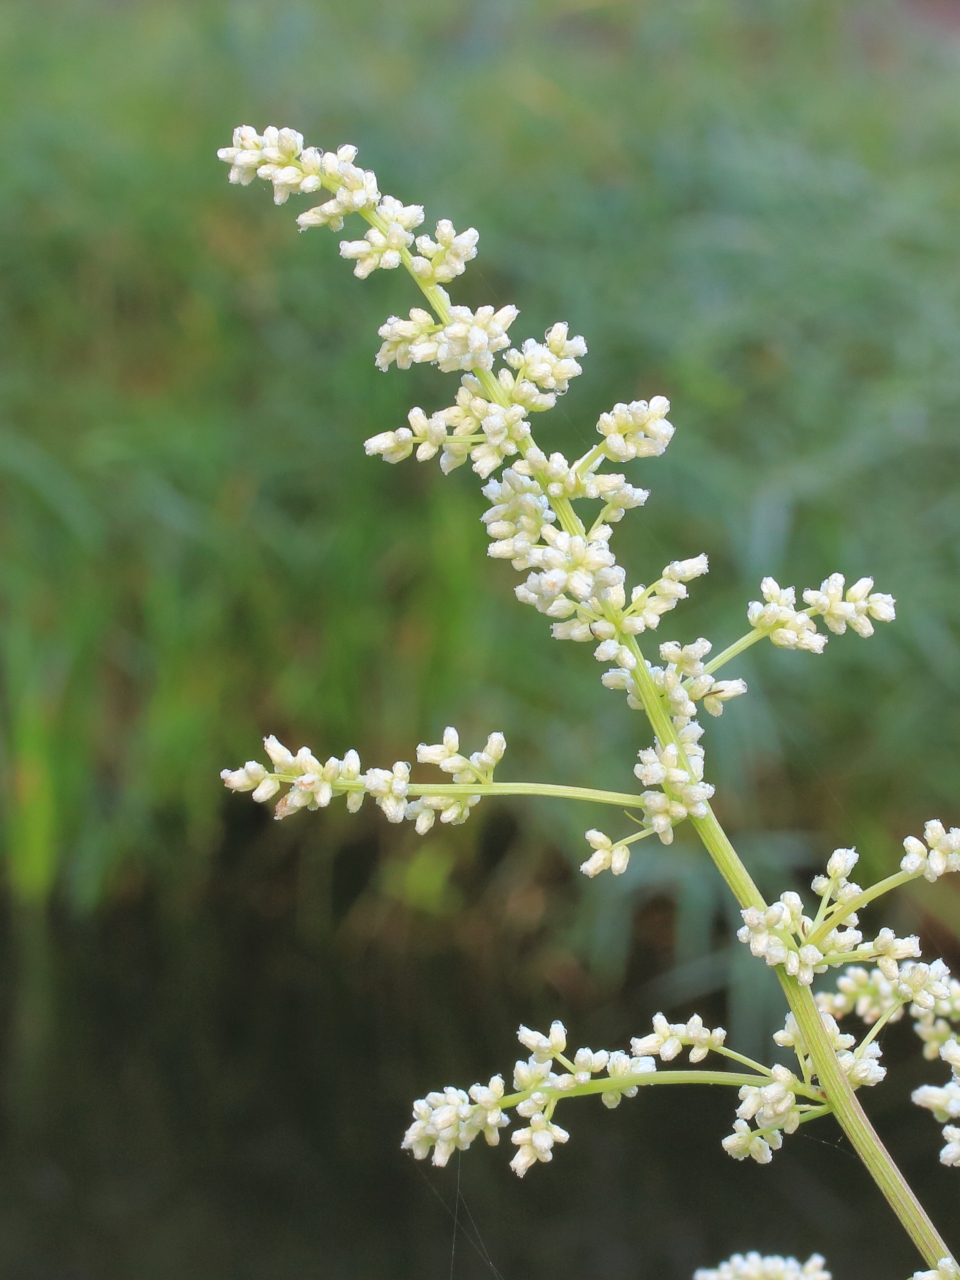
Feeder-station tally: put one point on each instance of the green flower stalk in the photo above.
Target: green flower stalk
(573, 578)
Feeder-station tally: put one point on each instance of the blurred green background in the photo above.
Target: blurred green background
(213, 1024)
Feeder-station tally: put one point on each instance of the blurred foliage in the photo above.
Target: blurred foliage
(750, 207)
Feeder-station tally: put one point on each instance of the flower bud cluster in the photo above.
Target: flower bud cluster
(773, 1108)
(775, 934)
(778, 616)
(668, 1039)
(568, 565)
(441, 260)
(450, 1119)
(683, 792)
(752, 1266)
(935, 855)
(853, 610)
(636, 430)
(383, 248)
(790, 628)
(944, 1102)
(476, 769)
(861, 1065)
(313, 785)
(685, 681)
(484, 432)
(548, 365)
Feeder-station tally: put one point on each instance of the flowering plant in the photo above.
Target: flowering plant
(573, 578)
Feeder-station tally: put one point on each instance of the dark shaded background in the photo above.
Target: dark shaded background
(214, 1025)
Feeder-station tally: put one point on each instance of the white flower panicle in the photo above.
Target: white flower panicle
(313, 785)
(790, 628)
(853, 610)
(752, 1266)
(573, 578)
(936, 854)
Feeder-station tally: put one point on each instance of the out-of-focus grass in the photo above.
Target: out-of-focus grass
(752, 208)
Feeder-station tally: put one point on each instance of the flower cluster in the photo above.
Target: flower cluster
(853, 610)
(782, 934)
(313, 785)
(936, 854)
(636, 430)
(944, 1102)
(441, 260)
(449, 1120)
(789, 628)
(572, 577)
(667, 1040)
(682, 793)
(752, 1266)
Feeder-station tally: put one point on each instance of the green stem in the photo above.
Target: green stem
(608, 1084)
(852, 1119)
(860, 901)
(733, 650)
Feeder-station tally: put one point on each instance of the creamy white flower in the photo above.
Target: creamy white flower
(868, 994)
(568, 564)
(668, 1039)
(744, 1142)
(389, 789)
(448, 1121)
(549, 364)
(778, 615)
(312, 784)
(855, 609)
(636, 430)
(606, 855)
(950, 1154)
(938, 853)
(947, 1269)
(535, 1143)
(621, 1066)
(400, 337)
(544, 1047)
(382, 248)
(443, 259)
(468, 341)
(772, 1105)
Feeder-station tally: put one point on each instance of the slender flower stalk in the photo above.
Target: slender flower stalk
(574, 580)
